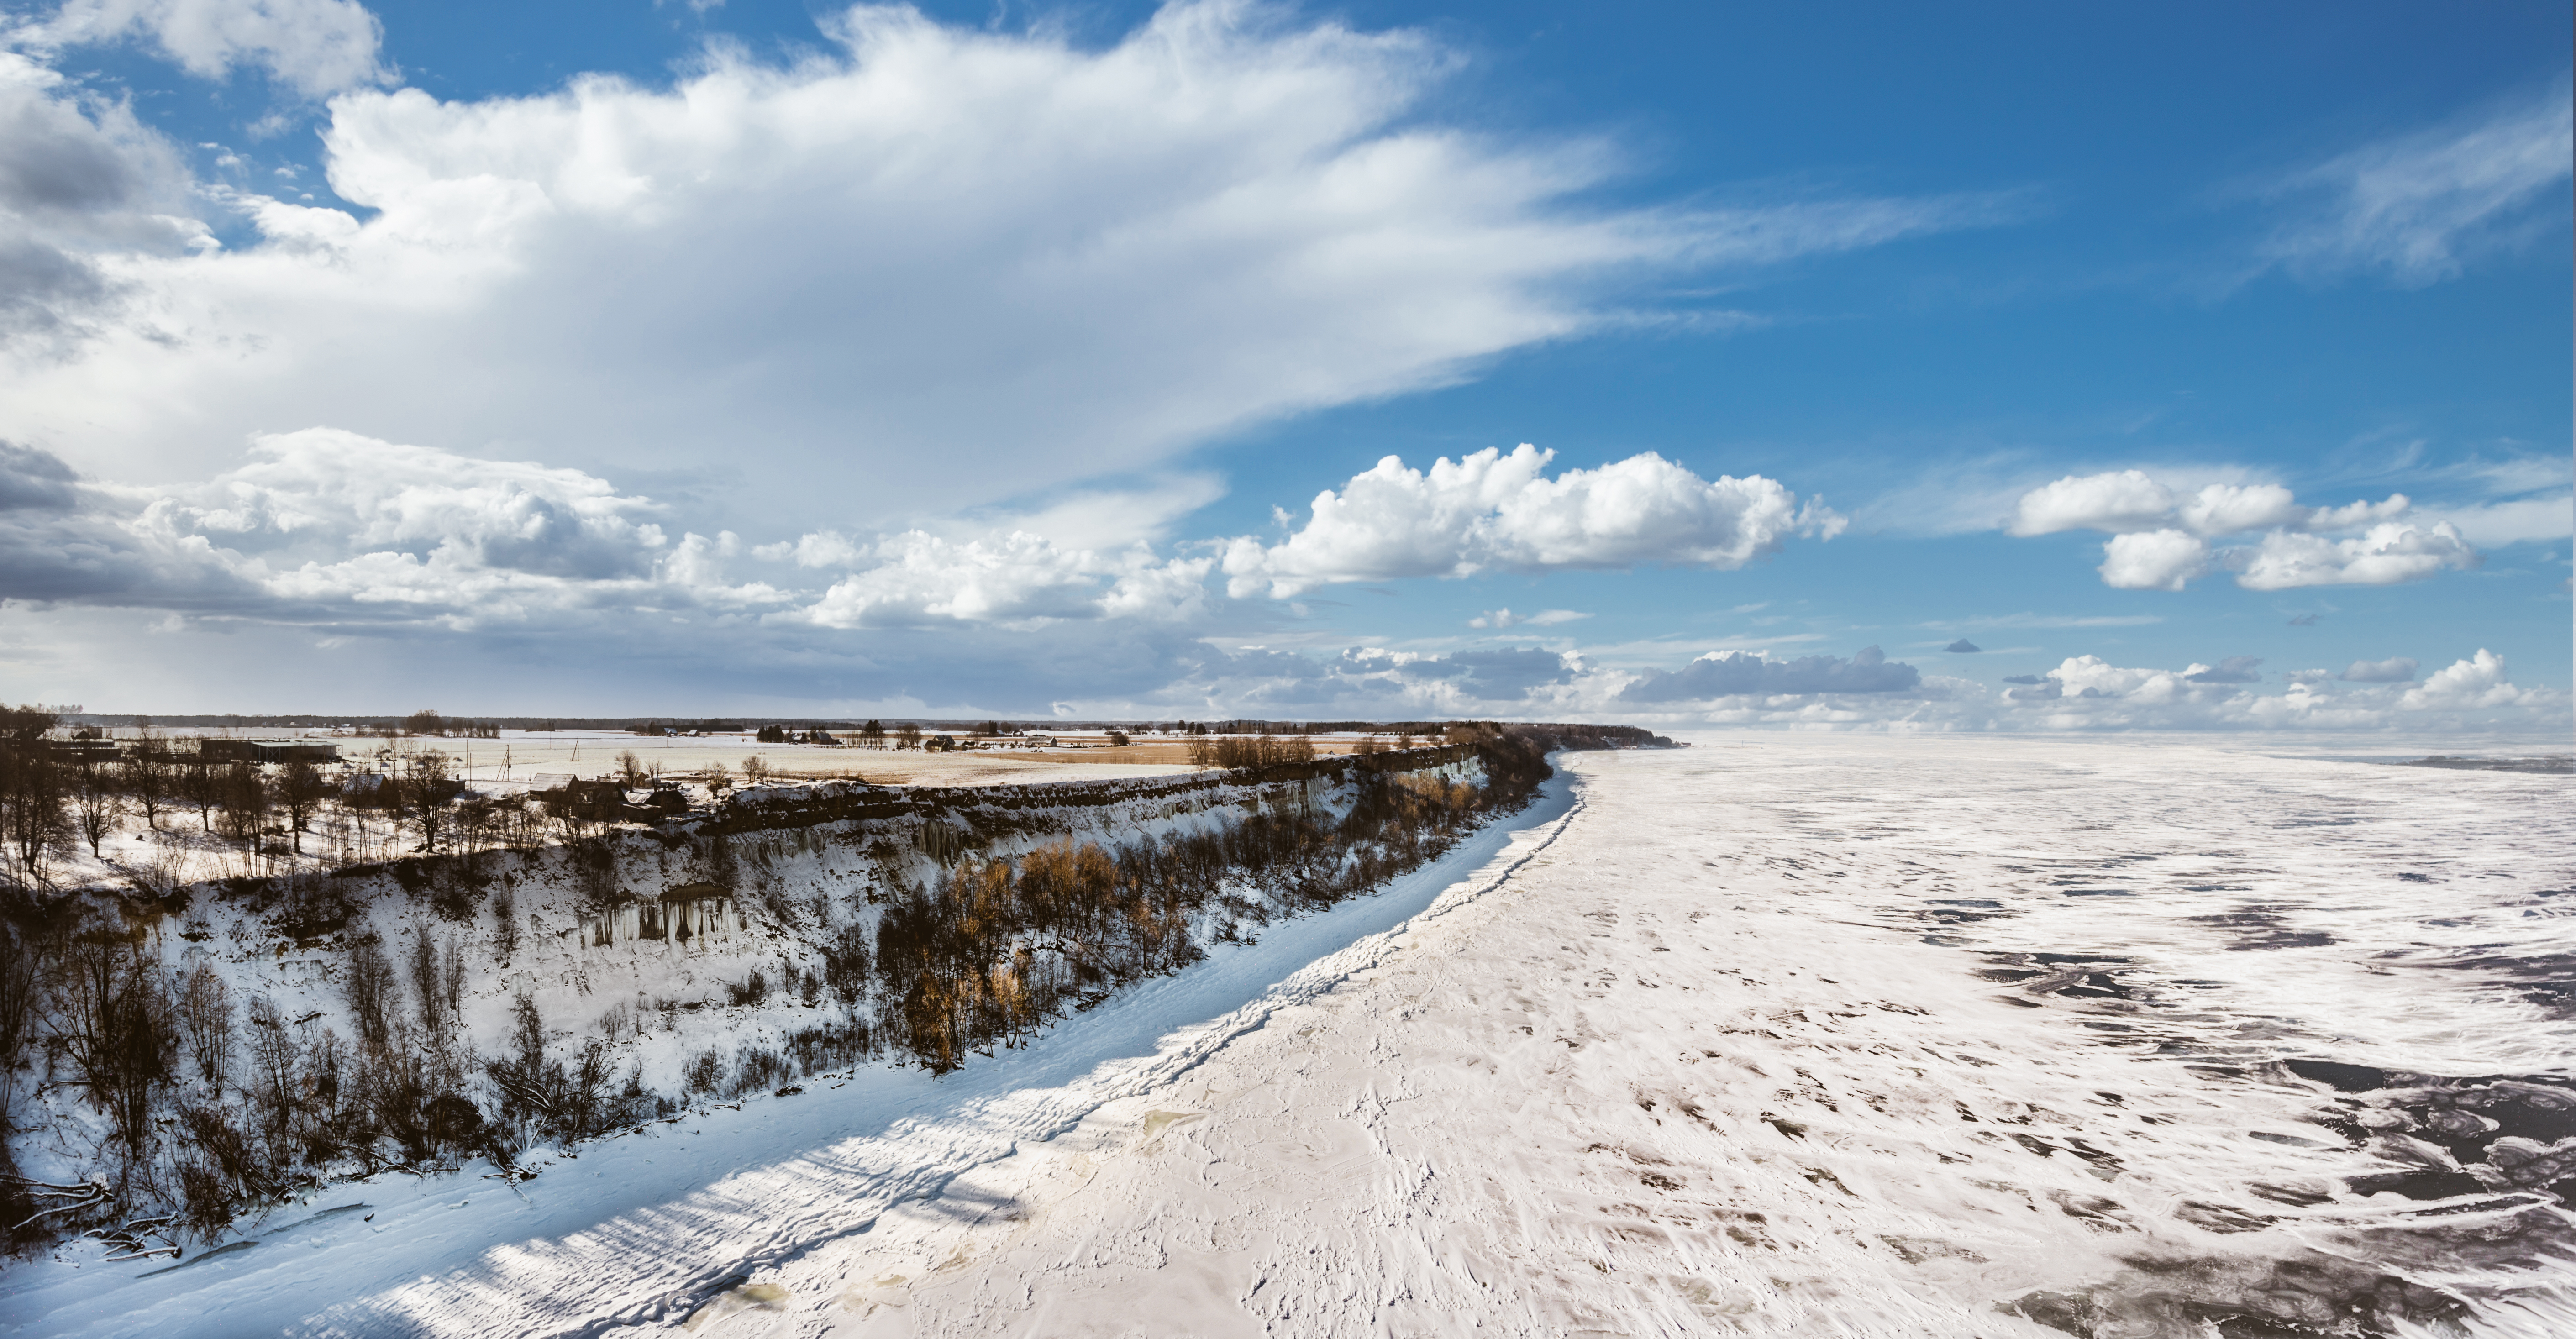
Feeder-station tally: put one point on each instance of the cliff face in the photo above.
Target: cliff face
(216, 1049)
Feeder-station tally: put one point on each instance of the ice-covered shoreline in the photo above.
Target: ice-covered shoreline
(1852, 1037)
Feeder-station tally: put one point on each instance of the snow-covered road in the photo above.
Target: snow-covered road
(1771, 1036)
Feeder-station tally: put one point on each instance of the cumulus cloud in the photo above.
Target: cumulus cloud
(1506, 674)
(2395, 669)
(1963, 647)
(917, 577)
(2420, 207)
(1489, 511)
(323, 525)
(318, 47)
(1737, 673)
(2387, 554)
(78, 176)
(2088, 692)
(2131, 501)
(2477, 683)
(2153, 560)
(65, 539)
(941, 264)
(2160, 536)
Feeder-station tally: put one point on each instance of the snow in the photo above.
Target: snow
(1776, 1035)
(651, 1224)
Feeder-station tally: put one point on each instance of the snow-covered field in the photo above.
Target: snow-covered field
(1776, 1035)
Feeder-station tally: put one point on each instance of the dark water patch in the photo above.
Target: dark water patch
(2452, 1137)
(2545, 979)
(2267, 926)
(2308, 1294)
(2278, 939)
(2428, 1183)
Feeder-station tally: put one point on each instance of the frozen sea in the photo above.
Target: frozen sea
(1774, 1035)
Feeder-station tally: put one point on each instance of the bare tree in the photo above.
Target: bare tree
(424, 795)
(244, 796)
(425, 983)
(755, 769)
(301, 788)
(147, 776)
(31, 808)
(96, 805)
(113, 1020)
(630, 769)
(451, 983)
(908, 734)
(17, 1005)
(505, 923)
(372, 990)
(273, 1052)
(201, 784)
(206, 1015)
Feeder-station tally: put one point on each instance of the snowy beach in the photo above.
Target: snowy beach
(1775, 1035)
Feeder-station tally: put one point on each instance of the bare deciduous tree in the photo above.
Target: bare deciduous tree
(206, 1014)
(147, 776)
(426, 789)
(301, 788)
(371, 987)
(17, 1007)
(96, 805)
(274, 1052)
(112, 1018)
(32, 812)
(425, 982)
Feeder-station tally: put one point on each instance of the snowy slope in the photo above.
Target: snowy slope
(651, 1224)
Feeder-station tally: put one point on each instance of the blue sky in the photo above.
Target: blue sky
(754, 357)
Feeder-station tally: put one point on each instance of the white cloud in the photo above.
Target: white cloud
(2387, 554)
(1505, 618)
(77, 177)
(917, 577)
(2130, 501)
(1490, 511)
(2153, 560)
(2228, 509)
(2418, 208)
(2125, 501)
(2477, 683)
(931, 268)
(317, 46)
(2395, 669)
(324, 524)
(2159, 535)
